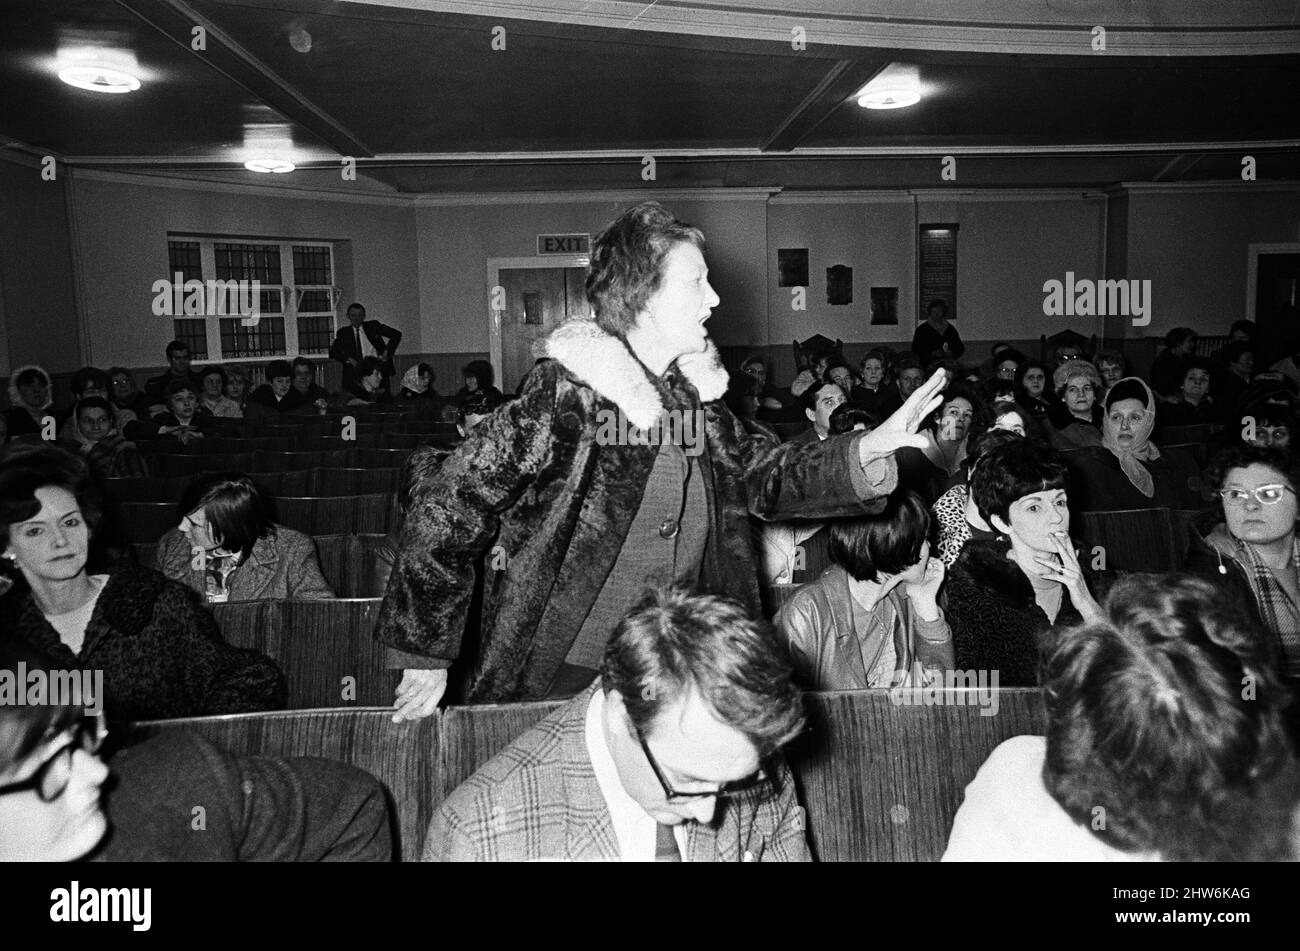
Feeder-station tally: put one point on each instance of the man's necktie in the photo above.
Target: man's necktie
(359, 351)
(666, 845)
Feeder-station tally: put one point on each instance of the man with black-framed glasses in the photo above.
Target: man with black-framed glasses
(673, 755)
(55, 805)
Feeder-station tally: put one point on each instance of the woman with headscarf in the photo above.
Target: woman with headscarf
(1075, 421)
(30, 399)
(1128, 470)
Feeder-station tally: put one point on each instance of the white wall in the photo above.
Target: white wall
(121, 243)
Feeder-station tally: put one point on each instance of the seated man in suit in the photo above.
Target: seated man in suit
(363, 338)
(674, 754)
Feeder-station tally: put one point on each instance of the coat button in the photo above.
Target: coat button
(668, 528)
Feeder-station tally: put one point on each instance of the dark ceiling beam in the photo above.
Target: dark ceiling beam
(843, 79)
(175, 20)
(1177, 167)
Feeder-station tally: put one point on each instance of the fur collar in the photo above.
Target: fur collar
(985, 559)
(604, 363)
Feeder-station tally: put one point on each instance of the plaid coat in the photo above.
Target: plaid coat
(538, 800)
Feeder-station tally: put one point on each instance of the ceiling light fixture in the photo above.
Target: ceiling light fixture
(897, 86)
(99, 78)
(270, 165)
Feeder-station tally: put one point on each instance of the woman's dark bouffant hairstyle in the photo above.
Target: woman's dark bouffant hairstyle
(24, 470)
(1239, 456)
(980, 446)
(627, 261)
(889, 542)
(238, 513)
(1009, 473)
(980, 419)
(1165, 726)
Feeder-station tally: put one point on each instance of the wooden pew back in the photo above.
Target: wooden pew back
(880, 781)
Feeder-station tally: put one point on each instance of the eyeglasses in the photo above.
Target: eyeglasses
(1264, 494)
(724, 791)
(51, 778)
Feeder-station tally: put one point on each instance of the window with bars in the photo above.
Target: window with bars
(184, 258)
(297, 303)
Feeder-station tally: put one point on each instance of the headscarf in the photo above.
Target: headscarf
(16, 399)
(411, 380)
(1141, 448)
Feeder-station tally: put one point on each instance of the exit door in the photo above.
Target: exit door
(1277, 303)
(537, 299)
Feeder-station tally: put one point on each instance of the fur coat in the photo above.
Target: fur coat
(159, 648)
(547, 504)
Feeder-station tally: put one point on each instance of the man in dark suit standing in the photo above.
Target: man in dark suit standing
(364, 338)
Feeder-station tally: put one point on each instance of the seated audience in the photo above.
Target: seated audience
(1031, 385)
(478, 376)
(872, 619)
(935, 338)
(369, 388)
(930, 472)
(227, 548)
(417, 388)
(1016, 419)
(1265, 417)
(1255, 540)
(775, 404)
(1129, 471)
(1063, 354)
(875, 394)
(30, 400)
(1193, 406)
(1003, 594)
(1169, 368)
(212, 395)
(955, 511)
(819, 401)
(159, 648)
(88, 381)
(672, 755)
(183, 420)
(129, 404)
(1238, 366)
(94, 434)
(908, 375)
(276, 396)
(314, 396)
(57, 806)
(237, 386)
(1111, 367)
(1074, 421)
(178, 370)
(475, 408)
(782, 542)
(1154, 750)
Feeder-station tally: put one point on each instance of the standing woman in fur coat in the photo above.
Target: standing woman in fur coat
(618, 466)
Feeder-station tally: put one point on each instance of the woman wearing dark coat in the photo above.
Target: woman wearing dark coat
(1004, 594)
(589, 484)
(160, 651)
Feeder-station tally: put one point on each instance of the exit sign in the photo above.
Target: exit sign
(563, 243)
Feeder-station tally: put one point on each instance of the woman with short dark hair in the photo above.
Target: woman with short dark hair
(1004, 593)
(872, 619)
(161, 652)
(1031, 388)
(955, 511)
(227, 548)
(1154, 748)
